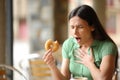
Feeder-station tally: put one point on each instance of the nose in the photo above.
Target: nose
(75, 31)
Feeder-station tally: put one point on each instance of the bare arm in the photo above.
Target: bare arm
(65, 68)
(106, 70)
(57, 75)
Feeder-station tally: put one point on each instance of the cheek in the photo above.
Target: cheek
(85, 34)
(82, 32)
(71, 32)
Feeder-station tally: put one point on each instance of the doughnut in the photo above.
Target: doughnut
(50, 44)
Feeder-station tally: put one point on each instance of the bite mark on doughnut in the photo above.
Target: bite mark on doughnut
(50, 44)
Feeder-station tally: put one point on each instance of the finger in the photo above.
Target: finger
(77, 56)
(82, 53)
(51, 60)
(91, 52)
(77, 52)
(48, 58)
(79, 61)
(49, 52)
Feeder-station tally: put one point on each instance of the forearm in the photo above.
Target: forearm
(50, 61)
(57, 75)
(97, 74)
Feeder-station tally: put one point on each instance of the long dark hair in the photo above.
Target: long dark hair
(87, 13)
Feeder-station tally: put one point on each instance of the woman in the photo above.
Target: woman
(90, 53)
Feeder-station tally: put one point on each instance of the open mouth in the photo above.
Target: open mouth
(78, 39)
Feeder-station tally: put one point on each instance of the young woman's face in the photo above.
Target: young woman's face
(80, 29)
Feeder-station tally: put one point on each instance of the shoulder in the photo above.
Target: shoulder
(108, 47)
(109, 44)
(70, 41)
(67, 47)
(104, 44)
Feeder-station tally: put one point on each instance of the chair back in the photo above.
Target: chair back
(39, 70)
(4, 69)
(115, 76)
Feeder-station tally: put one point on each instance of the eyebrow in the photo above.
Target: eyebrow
(78, 25)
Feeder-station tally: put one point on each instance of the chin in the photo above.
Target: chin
(79, 43)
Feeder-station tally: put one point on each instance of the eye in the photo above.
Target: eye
(72, 27)
(80, 26)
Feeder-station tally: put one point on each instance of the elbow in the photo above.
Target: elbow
(103, 78)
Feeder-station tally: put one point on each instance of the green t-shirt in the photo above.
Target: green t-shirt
(100, 49)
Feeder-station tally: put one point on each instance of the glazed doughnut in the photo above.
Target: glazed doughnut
(50, 44)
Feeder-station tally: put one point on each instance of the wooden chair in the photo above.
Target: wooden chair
(115, 76)
(37, 69)
(4, 69)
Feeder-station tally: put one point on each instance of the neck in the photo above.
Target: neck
(87, 43)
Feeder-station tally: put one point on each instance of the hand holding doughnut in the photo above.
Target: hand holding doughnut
(49, 44)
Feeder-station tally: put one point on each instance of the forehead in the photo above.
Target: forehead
(77, 21)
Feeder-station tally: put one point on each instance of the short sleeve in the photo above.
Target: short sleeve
(67, 48)
(109, 48)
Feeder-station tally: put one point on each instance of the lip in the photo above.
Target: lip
(78, 39)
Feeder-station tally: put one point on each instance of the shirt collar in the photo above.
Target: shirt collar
(95, 43)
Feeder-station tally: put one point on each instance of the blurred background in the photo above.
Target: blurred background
(29, 23)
